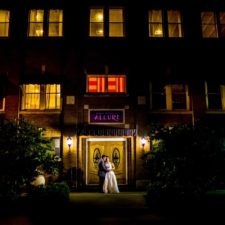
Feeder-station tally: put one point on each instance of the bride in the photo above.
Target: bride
(110, 183)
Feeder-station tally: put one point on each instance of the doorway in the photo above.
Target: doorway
(115, 148)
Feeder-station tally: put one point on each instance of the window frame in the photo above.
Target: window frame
(221, 94)
(167, 93)
(46, 23)
(165, 24)
(6, 24)
(215, 24)
(42, 96)
(119, 84)
(106, 24)
(2, 105)
(57, 150)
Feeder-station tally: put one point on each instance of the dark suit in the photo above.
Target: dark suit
(101, 173)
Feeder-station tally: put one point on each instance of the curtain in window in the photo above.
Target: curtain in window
(55, 23)
(52, 96)
(31, 96)
(4, 23)
(36, 23)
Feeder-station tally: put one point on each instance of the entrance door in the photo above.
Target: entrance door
(115, 148)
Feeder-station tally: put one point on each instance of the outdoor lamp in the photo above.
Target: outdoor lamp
(143, 142)
(69, 141)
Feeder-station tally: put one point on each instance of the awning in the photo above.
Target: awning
(106, 132)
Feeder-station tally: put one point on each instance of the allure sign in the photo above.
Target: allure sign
(106, 116)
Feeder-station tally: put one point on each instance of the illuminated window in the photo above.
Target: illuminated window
(2, 99)
(52, 96)
(106, 22)
(38, 25)
(96, 84)
(56, 145)
(31, 96)
(2, 93)
(54, 136)
(106, 84)
(96, 22)
(116, 84)
(2, 103)
(155, 23)
(215, 96)
(165, 23)
(4, 23)
(209, 25)
(55, 23)
(169, 97)
(41, 97)
(174, 24)
(116, 23)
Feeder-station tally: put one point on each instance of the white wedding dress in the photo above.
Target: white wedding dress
(110, 184)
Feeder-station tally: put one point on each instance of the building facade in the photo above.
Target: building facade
(98, 73)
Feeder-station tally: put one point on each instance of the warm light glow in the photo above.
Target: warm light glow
(158, 32)
(99, 17)
(100, 31)
(4, 23)
(39, 32)
(69, 141)
(143, 142)
(37, 89)
(110, 83)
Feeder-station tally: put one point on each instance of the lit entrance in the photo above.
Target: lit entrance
(115, 148)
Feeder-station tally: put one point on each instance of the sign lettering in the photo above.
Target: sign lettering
(102, 116)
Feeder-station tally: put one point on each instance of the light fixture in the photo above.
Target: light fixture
(99, 32)
(69, 141)
(143, 142)
(99, 17)
(158, 32)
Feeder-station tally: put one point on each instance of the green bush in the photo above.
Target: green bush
(185, 162)
(23, 149)
(48, 203)
(50, 195)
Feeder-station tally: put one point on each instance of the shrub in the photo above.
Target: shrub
(23, 150)
(185, 162)
(50, 194)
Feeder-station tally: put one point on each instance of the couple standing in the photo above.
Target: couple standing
(107, 177)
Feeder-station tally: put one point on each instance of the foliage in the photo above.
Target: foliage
(23, 150)
(51, 194)
(48, 202)
(185, 161)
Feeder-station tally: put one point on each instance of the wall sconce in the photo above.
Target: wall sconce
(143, 142)
(69, 142)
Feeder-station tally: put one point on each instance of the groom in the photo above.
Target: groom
(101, 172)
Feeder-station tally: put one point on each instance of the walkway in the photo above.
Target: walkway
(101, 200)
(126, 208)
(129, 208)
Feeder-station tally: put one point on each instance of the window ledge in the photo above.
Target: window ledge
(100, 95)
(215, 112)
(40, 112)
